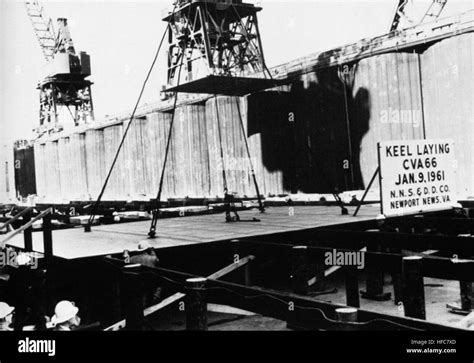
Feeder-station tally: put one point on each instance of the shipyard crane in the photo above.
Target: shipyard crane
(219, 41)
(64, 84)
(434, 11)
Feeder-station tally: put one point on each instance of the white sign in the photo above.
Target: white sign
(416, 176)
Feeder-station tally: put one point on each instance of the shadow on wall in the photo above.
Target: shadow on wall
(304, 132)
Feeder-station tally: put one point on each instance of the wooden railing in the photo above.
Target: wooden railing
(27, 229)
(24, 212)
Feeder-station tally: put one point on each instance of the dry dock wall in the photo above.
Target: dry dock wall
(302, 138)
(448, 97)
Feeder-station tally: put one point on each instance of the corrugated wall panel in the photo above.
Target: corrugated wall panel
(135, 163)
(191, 170)
(200, 166)
(66, 175)
(169, 176)
(24, 170)
(235, 156)
(147, 173)
(95, 162)
(77, 146)
(180, 169)
(254, 139)
(157, 133)
(319, 134)
(268, 131)
(385, 106)
(52, 175)
(215, 165)
(448, 90)
(40, 170)
(117, 185)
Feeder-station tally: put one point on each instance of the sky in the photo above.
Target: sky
(122, 36)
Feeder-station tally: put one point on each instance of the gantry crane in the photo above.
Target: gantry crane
(64, 84)
(218, 43)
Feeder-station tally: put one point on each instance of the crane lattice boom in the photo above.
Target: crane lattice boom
(43, 28)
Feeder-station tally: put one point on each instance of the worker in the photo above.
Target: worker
(6, 315)
(65, 316)
(467, 322)
(147, 257)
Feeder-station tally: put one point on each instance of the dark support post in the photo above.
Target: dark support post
(347, 315)
(352, 286)
(466, 295)
(374, 281)
(397, 280)
(247, 279)
(196, 306)
(319, 266)
(299, 268)
(39, 302)
(131, 292)
(237, 255)
(235, 250)
(47, 237)
(397, 287)
(20, 292)
(28, 233)
(413, 288)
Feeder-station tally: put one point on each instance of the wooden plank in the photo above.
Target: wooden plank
(226, 309)
(178, 296)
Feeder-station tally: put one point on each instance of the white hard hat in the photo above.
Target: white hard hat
(64, 311)
(144, 245)
(5, 310)
(467, 322)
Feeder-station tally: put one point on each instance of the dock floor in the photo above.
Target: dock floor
(115, 238)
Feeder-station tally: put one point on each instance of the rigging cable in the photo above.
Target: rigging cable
(224, 177)
(156, 209)
(252, 170)
(99, 198)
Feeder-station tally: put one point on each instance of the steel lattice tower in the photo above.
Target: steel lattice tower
(216, 38)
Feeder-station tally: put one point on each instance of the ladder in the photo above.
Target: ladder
(434, 10)
(43, 28)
